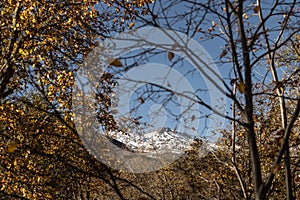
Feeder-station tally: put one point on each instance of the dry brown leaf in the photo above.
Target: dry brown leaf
(141, 100)
(276, 169)
(154, 17)
(224, 52)
(115, 62)
(114, 111)
(193, 117)
(256, 9)
(241, 87)
(170, 55)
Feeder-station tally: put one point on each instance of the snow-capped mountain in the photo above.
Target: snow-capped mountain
(163, 140)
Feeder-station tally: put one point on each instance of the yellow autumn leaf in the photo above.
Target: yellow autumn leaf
(12, 147)
(3, 187)
(170, 55)
(60, 76)
(22, 52)
(131, 25)
(50, 93)
(241, 87)
(245, 16)
(69, 21)
(22, 17)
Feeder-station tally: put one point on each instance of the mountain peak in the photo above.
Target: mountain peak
(164, 139)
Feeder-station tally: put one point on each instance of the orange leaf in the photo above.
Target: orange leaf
(131, 25)
(256, 9)
(170, 55)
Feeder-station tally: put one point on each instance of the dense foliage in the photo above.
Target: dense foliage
(43, 44)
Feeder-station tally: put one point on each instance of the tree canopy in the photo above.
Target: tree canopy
(254, 45)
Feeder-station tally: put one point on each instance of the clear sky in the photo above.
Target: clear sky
(154, 104)
(159, 107)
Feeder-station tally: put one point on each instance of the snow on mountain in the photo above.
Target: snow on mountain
(163, 140)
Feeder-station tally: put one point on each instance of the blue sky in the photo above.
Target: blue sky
(151, 109)
(159, 111)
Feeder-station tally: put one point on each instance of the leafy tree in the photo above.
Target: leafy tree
(253, 37)
(43, 44)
